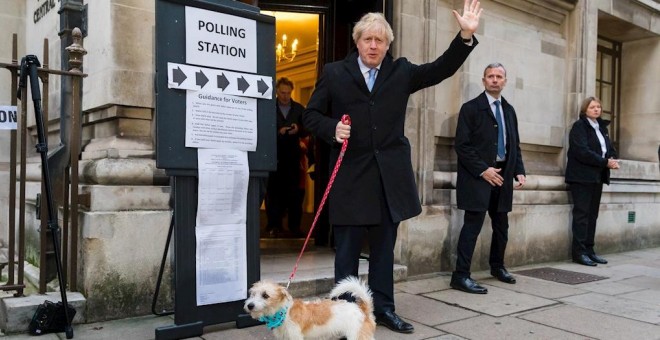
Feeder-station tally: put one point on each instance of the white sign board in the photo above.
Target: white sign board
(220, 40)
(8, 117)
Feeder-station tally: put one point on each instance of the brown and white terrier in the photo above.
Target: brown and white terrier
(348, 312)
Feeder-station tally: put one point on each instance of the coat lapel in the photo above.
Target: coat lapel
(483, 106)
(352, 67)
(384, 72)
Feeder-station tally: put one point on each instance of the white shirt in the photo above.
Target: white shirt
(491, 102)
(601, 139)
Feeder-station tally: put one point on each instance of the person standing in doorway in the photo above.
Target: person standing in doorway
(284, 194)
(489, 160)
(590, 158)
(375, 189)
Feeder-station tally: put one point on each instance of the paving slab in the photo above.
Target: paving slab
(428, 311)
(447, 337)
(647, 296)
(133, 328)
(537, 287)
(492, 328)
(651, 254)
(639, 270)
(643, 282)
(497, 302)
(617, 305)
(421, 332)
(229, 331)
(593, 324)
(610, 288)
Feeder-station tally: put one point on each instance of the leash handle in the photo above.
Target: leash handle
(345, 119)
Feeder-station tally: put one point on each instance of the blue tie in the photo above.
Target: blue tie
(500, 131)
(372, 78)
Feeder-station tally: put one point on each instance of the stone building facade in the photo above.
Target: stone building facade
(553, 52)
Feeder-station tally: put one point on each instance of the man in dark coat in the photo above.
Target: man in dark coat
(284, 193)
(375, 187)
(489, 159)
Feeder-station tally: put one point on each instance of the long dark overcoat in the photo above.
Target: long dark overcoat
(377, 164)
(586, 163)
(476, 147)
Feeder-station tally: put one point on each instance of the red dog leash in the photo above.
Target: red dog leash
(345, 119)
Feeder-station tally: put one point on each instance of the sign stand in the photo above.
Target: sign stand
(180, 162)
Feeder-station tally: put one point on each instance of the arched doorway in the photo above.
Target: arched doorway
(317, 32)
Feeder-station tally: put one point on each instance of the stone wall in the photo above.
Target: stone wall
(549, 50)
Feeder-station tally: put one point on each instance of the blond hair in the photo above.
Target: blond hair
(373, 21)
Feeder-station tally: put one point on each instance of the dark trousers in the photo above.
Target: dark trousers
(467, 240)
(348, 242)
(586, 202)
(284, 195)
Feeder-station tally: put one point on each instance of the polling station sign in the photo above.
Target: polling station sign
(220, 40)
(8, 118)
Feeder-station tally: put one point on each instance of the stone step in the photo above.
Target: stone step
(315, 273)
(16, 312)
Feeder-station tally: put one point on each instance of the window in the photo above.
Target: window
(608, 78)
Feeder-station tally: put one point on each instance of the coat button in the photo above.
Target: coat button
(376, 151)
(375, 127)
(371, 103)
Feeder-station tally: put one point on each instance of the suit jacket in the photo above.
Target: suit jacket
(585, 161)
(476, 147)
(377, 164)
(288, 146)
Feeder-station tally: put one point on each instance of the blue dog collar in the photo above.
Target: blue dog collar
(275, 320)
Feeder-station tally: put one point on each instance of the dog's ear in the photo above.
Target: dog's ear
(281, 295)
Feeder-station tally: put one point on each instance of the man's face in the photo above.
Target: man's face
(494, 80)
(372, 47)
(284, 94)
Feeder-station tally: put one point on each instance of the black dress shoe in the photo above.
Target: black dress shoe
(585, 260)
(394, 322)
(597, 259)
(503, 275)
(467, 285)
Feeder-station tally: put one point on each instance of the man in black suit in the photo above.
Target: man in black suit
(375, 188)
(284, 194)
(489, 159)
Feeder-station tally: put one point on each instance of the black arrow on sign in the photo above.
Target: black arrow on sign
(262, 87)
(201, 78)
(178, 75)
(242, 84)
(222, 81)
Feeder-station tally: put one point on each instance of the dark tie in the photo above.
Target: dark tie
(372, 78)
(500, 131)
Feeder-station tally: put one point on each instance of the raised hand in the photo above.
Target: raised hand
(469, 21)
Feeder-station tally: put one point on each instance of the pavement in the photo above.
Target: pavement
(624, 304)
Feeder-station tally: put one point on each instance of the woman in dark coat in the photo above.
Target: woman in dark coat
(590, 158)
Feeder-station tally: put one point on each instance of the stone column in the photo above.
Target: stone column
(124, 228)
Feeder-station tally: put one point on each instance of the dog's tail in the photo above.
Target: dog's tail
(355, 290)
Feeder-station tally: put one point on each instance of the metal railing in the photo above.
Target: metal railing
(67, 194)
